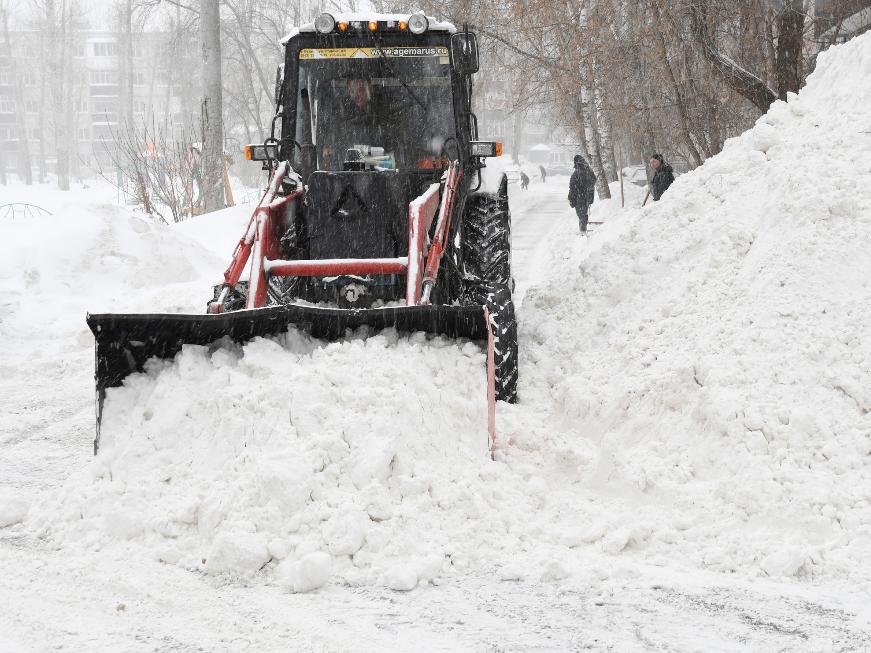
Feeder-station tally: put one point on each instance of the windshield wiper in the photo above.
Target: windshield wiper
(382, 55)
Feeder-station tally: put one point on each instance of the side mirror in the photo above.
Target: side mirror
(464, 52)
(279, 83)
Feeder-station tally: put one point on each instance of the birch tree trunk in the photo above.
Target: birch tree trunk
(580, 122)
(596, 149)
(211, 105)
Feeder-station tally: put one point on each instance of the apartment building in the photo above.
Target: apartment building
(75, 96)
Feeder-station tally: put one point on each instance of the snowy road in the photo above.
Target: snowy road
(536, 214)
(118, 602)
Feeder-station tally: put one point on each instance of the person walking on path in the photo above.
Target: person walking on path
(524, 180)
(543, 174)
(663, 176)
(582, 191)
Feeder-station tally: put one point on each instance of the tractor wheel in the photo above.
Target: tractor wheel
(485, 236)
(235, 299)
(497, 298)
(485, 240)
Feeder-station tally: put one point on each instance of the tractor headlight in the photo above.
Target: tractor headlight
(325, 23)
(417, 24)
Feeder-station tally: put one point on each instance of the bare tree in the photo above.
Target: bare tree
(785, 44)
(25, 171)
(159, 164)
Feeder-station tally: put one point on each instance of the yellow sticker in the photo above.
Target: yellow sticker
(396, 52)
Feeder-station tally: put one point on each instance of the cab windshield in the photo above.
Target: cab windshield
(383, 108)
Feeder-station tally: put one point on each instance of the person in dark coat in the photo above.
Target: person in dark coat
(543, 174)
(582, 191)
(524, 180)
(663, 176)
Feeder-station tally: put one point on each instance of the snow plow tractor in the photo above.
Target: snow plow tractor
(373, 215)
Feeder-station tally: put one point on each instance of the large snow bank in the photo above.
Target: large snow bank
(715, 346)
(95, 257)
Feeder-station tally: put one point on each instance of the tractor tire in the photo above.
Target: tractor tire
(236, 298)
(497, 298)
(485, 242)
(485, 236)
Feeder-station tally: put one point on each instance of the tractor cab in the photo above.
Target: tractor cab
(370, 114)
(387, 94)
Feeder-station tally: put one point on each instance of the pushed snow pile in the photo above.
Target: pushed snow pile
(717, 350)
(350, 460)
(95, 257)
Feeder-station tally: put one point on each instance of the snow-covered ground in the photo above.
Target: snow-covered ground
(687, 469)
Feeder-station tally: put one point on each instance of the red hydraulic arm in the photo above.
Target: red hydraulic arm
(265, 210)
(259, 245)
(442, 232)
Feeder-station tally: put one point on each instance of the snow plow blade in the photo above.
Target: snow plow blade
(124, 342)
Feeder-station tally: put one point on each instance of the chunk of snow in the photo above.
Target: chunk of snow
(401, 577)
(13, 508)
(306, 574)
(787, 561)
(237, 552)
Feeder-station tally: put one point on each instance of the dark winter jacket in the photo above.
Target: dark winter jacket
(661, 181)
(582, 186)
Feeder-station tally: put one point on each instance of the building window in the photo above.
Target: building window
(84, 134)
(104, 77)
(29, 78)
(104, 107)
(138, 78)
(79, 50)
(4, 77)
(139, 107)
(7, 105)
(81, 106)
(105, 49)
(31, 106)
(102, 134)
(33, 133)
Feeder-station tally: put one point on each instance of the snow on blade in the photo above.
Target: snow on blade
(228, 458)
